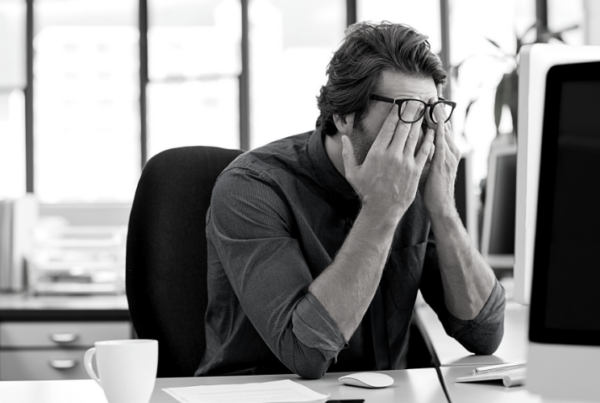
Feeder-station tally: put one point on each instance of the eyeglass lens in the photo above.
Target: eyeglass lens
(440, 110)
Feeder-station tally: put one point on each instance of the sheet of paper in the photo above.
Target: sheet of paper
(267, 392)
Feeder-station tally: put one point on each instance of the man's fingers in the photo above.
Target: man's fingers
(430, 123)
(350, 164)
(426, 150)
(412, 109)
(450, 140)
(439, 113)
(440, 133)
(384, 138)
(449, 127)
(413, 137)
(440, 141)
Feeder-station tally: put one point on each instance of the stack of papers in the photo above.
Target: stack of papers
(512, 374)
(266, 392)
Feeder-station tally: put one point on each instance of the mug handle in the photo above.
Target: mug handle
(87, 361)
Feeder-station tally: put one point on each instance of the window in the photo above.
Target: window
(86, 109)
(291, 43)
(12, 98)
(194, 66)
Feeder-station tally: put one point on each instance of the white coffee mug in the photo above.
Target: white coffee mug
(127, 369)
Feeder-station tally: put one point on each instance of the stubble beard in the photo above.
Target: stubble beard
(362, 140)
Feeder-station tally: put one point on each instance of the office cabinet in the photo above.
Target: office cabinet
(60, 334)
(44, 338)
(52, 350)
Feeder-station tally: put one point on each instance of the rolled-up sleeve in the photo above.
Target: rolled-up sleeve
(251, 226)
(481, 335)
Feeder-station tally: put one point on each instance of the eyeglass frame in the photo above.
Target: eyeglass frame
(400, 101)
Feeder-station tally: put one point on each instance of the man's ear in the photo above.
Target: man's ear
(344, 124)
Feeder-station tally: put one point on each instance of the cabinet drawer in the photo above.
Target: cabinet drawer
(42, 365)
(53, 334)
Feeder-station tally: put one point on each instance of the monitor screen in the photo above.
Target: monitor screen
(502, 236)
(498, 226)
(565, 298)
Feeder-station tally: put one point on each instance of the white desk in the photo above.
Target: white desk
(448, 352)
(454, 361)
(415, 385)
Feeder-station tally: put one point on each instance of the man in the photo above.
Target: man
(318, 243)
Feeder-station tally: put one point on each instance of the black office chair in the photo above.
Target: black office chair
(166, 253)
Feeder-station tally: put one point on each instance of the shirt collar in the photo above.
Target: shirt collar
(328, 176)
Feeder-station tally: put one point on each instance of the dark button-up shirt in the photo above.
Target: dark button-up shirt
(278, 216)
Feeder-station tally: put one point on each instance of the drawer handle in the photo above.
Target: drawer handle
(62, 364)
(63, 337)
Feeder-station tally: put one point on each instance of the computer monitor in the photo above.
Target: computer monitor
(498, 228)
(564, 326)
(534, 63)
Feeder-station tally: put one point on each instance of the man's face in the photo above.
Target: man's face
(392, 85)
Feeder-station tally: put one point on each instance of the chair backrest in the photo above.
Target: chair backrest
(166, 253)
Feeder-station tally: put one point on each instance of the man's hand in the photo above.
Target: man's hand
(438, 191)
(467, 279)
(387, 181)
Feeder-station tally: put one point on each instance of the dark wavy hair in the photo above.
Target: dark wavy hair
(355, 68)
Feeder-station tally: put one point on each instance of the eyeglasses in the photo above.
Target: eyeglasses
(441, 108)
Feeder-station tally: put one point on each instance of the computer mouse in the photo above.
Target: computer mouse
(367, 380)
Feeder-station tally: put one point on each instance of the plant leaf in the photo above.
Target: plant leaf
(471, 102)
(534, 25)
(569, 28)
(493, 43)
(500, 99)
